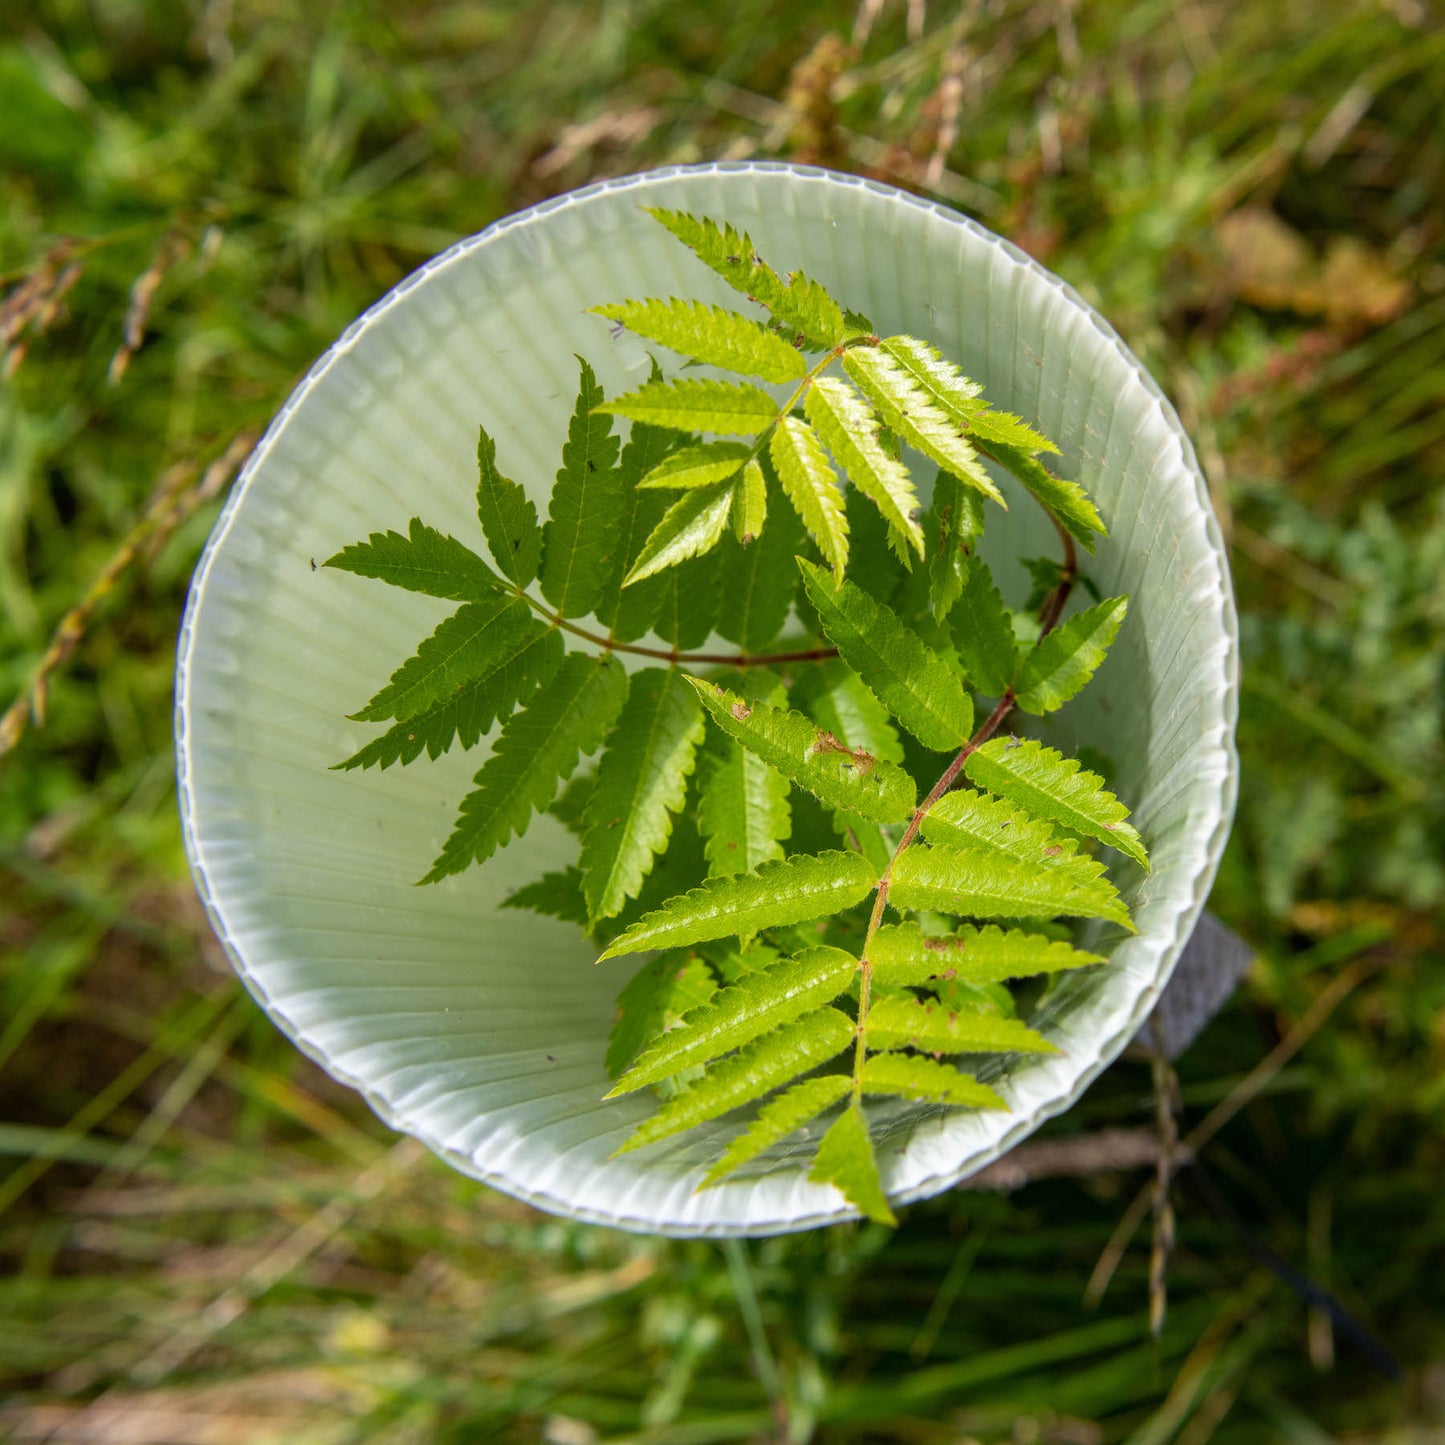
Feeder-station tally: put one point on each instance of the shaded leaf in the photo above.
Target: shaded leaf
(691, 600)
(743, 812)
(731, 408)
(898, 1022)
(812, 757)
(554, 895)
(792, 890)
(660, 993)
(776, 1120)
(959, 517)
(696, 466)
(529, 662)
(811, 485)
(902, 955)
(906, 1076)
(692, 525)
(971, 883)
(641, 782)
(710, 334)
(983, 633)
(912, 681)
(508, 518)
(755, 1004)
(1065, 660)
(537, 747)
(630, 613)
(760, 1067)
(759, 580)
(585, 513)
(847, 427)
(834, 696)
(918, 420)
(845, 1160)
(424, 560)
(464, 645)
(1049, 785)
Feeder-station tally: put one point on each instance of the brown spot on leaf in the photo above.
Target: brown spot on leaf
(1052, 851)
(828, 743)
(741, 711)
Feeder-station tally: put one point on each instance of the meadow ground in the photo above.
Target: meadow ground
(204, 1240)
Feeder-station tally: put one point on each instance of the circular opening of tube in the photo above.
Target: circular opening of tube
(481, 1031)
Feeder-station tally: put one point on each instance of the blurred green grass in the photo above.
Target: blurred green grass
(204, 1239)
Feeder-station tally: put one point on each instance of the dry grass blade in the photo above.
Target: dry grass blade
(173, 501)
(1248, 1088)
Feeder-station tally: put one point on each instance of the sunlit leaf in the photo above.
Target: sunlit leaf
(1049, 785)
(791, 890)
(755, 1004)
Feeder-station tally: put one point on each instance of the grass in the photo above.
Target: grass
(205, 1239)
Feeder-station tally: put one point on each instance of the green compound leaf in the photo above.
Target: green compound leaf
(1061, 665)
(692, 525)
(754, 1005)
(537, 747)
(912, 413)
(811, 486)
(1066, 501)
(759, 581)
(630, 613)
(898, 1022)
(845, 1160)
(711, 335)
(743, 810)
(812, 757)
(509, 680)
(983, 633)
(696, 466)
(1049, 785)
(554, 895)
(847, 427)
(906, 1076)
(958, 516)
(660, 993)
(730, 408)
(911, 680)
(800, 304)
(464, 645)
(757, 1069)
(971, 883)
(902, 955)
(425, 560)
(508, 518)
(776, 1120)
(792, 890)
(641, 781)
(966, 819)
(585, 515)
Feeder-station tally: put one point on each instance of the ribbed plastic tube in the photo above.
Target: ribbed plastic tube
(482, 1031)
